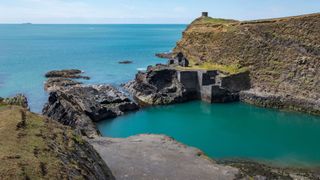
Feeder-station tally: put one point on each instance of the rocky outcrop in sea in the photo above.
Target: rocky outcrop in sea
(79, 105)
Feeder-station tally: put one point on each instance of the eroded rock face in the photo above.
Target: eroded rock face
(158, 86)
(79, 106)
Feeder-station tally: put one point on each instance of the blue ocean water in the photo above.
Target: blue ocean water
(235, 130)
(27, 52)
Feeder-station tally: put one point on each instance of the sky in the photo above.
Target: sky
(147, 11)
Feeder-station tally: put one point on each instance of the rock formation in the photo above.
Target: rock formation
(79, 106)
(282, 55)
(158, 86)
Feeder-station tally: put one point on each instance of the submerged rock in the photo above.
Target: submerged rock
(125, 62)
(79, 106)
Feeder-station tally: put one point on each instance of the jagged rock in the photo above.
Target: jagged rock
(79, 106)
(18, 100)
(66, 73)
(53, 84)
(158, 86)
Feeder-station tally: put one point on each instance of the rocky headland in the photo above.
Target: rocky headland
(79, 106)
(282, 55)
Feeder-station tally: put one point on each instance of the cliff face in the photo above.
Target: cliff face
(33, 147)
(283, 55)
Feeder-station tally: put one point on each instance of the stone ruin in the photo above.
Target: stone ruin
(205, 14)
(179, 60)
(214, 86)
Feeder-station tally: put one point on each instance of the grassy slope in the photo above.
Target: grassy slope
(27, 152)
(282, 54)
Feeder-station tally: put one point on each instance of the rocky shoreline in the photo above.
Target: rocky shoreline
(282, 102)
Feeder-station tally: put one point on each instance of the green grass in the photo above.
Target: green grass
(25, 151)
(210, 20)
(230, 69)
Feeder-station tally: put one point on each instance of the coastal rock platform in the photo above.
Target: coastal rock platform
(145, 157)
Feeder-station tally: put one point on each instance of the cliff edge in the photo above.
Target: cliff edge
(282, 55)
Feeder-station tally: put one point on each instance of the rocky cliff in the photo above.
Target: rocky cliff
(34, 147)
(283, 55)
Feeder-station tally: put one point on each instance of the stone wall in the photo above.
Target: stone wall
(214, 86)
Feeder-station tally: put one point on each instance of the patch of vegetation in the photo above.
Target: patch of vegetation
(230, 69)
(210, 20)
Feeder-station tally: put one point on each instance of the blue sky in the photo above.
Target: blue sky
(147, 11)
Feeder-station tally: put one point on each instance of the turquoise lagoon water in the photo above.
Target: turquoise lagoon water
(233, 130)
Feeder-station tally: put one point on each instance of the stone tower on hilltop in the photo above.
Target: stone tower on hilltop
(205, 14)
